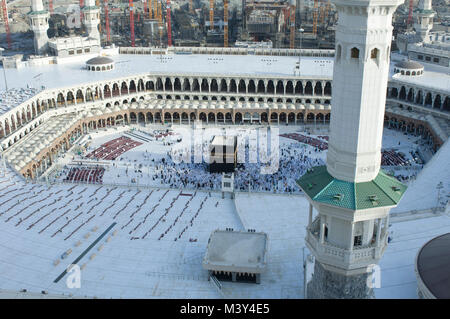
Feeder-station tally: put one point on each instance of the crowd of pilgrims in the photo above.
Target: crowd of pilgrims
(294, 160)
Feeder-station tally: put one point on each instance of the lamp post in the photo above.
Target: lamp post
(4, 72)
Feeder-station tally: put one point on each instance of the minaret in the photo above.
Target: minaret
(92, 19)
(351, 194)
(39, 25)
(424, 20)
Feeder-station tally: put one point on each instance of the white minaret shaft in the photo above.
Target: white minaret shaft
(39, 25)
(363, 44)
(92, 19)
(37, 5)
(424, 20)
(425, 5)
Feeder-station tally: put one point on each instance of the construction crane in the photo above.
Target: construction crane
(327, 10)
(150, 9)
(410, 15)
(160, 22)
(131, 22)
(155, 9)
(108, 34)
(191, 6)
(315, 16)
(169, 27)
(211, 14)
(81, 9)
(5, 21)
(225, 23)
(322, 13)
(292, 31)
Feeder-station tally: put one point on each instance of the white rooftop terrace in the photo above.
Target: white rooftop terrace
(73, 73)
(435, 77)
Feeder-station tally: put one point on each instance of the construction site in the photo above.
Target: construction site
(211, 23)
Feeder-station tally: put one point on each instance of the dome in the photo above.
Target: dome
(100, 60)
(432, 265)
(410, 65)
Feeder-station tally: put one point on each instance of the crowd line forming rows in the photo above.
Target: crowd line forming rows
(64, 216)
(114, 148)
(85, 174)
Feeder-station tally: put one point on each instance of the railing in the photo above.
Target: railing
(359, 254)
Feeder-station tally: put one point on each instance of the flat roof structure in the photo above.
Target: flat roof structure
(236, 251)
(53, 76)
(433, 268)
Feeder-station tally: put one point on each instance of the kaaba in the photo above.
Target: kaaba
(223, 154)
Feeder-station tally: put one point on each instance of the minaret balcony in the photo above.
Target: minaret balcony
(348, 259)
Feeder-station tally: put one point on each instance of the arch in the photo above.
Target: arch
(141, 118)
(298, 88)
(141, 86)
(289, 87)
(402, 95)
(205, 85)
(291, 118)
(159, 85)
(115, 90)
(168, 85)
(437, 102)
(410, 96)
(233, 86)
(270, 87)
(327, 89)
(242, 87)
(274, 117)
(195, 86)
(394, 92)
(186, 85)
(308, 88)
(133, 118)
(446, 105)
(167, 117)
(261, 87)
(202, 117)
(89, 95)
(214, 86)
(251, 87)
(79, 96)
(177, 85)
(60, 100)
(238, 118)
(70, 98)
(223, 86)
(428, 99)
(419, 97)
(124, 88)
(280, 87)
(318, 88)
(149, 117)
(149, 86)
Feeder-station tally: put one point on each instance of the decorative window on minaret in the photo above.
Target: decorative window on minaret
(374, 54)
(355, 53)
(338, 53)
